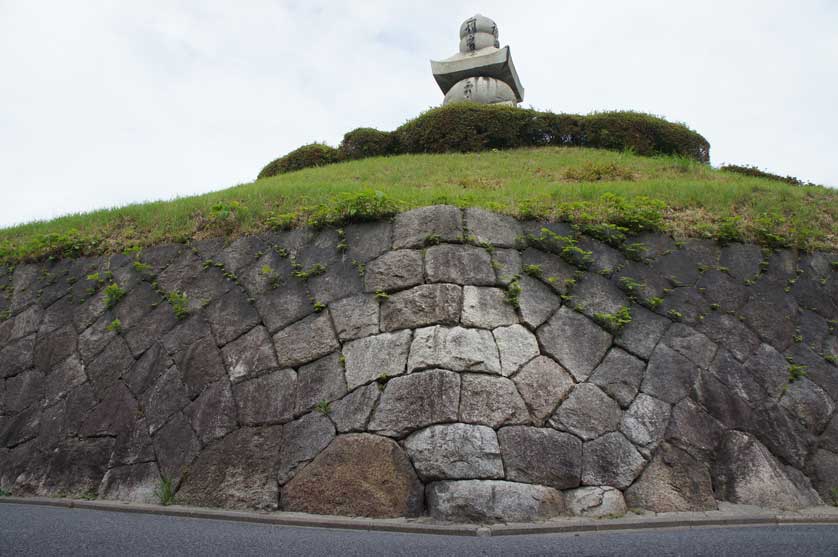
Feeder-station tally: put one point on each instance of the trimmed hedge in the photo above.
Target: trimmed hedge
(465, 127)
(313, 154)
(362, 143)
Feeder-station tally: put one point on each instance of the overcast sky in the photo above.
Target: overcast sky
(107, 103)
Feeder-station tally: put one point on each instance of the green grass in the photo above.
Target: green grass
(551, 182)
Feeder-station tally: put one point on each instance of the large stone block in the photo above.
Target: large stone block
(507, 264)
(356, 475)
(138, 483)
(319, 382)
(611, 460)
(64, 378)
(536, 302)
(455, 452)
(341, 280)
(306, 340)
(231, 316)
(375, 356)
(595, 502)
(213, 413)
(302, 440)
(424, 305)
(492, 228)
(415, 401)
(237, 472)
(166, 397)
(543, 384)
(355, 317)
(549, 268)
(746, 472)
(438, 223)
(22, 391)
(726, 330)
(112, 417)
(491, 401)
(268, 399)
(694, 430)
(669, 375)
(352, 412)
(114, 361)
(673, 482)
(619, 375)
(770, 369)
(395, 270)
(541, 456)
(486, 308)
(645, 422)
(574, 341)
(459, 264)
(176, 446)
(587, 413)
(284, 305)
(201, 364)
(596, 294)
(368, 240)
(643, 333)
(17, 356)
(492, 501)
(809, 404)
(771, 315)
(691, 344)
(55, 347)
(721, 289)
(454, 348)
(516, 346)
(250, 354)
(150, 328)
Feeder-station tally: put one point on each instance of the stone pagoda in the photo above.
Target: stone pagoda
(481, 72)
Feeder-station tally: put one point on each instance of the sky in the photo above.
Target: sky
(105, 103)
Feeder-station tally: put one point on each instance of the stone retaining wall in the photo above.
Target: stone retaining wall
(452, 363)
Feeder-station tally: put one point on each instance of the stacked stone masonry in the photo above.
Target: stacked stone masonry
(448, 363)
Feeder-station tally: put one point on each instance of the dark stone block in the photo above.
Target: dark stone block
(95, 338)
(136, 304)
(669, 375)
(237, 472)
(250, 354)
(145, 372)
(55, 347)
(320, 381)
(550, 268)
(112, 417)
(200, 365)
(241, 252)
(605, 260)
(541, 456)
(720, 289)
(741, 260)
(368, 240)
(114, 362)
(213, 413)
(268, 399)
(731, 333)
(17, 356)
(596, 294)
(76, 468)
(340, 280)
(155, 324)
(231, 316)
(285, 305)
(176, 446)
(166, 397)
(22, 391)
(643, 333)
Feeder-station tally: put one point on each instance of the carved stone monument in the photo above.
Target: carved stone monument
(481, 72)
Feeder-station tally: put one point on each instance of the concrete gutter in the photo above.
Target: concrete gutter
(729, 515)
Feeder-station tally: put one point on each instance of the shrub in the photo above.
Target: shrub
(361, 143)
(644, 134)
(314, 154)
(465, 127)
(749, 170)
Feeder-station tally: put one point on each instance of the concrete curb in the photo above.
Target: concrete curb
(425, 526)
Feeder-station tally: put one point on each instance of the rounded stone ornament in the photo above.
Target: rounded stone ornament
(482, 90)
(478, 24)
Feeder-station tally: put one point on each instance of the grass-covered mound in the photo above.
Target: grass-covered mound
(590, 187)
(468, 127)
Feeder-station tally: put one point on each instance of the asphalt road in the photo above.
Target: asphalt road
(33, 530)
